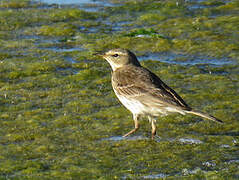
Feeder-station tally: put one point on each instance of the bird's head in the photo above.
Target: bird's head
(119, 57)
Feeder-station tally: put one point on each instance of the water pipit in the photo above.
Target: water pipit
(142, 92)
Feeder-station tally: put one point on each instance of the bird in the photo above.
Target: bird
(142, 92)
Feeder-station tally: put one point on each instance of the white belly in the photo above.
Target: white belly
(136, 107)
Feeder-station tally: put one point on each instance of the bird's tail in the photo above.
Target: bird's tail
(204, 115)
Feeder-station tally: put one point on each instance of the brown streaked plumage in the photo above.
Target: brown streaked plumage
(142, 92)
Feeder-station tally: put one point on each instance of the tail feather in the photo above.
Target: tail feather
(204, 115)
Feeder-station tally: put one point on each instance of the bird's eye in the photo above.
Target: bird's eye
(115, 55)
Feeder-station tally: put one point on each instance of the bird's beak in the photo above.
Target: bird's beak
(99, 53)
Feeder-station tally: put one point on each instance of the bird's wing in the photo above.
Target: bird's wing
(139, 83)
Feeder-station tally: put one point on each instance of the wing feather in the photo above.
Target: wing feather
(139, 83)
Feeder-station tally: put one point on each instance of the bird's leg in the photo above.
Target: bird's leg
(136, 125)
(153, 129)
(153, 123)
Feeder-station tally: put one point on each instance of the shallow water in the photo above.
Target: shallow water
(190, 141)
(121, 138)
(155, 176)
(62, 49)
(63, 2)
(60, 118)
(184, 59)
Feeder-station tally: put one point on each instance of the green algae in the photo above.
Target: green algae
(72, 14)
(60, 118)
(15, 4)
(57, 30)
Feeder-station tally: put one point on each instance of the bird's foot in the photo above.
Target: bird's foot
(131, 132)
(153, 135)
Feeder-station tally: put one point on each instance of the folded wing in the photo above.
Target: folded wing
(143, 85)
